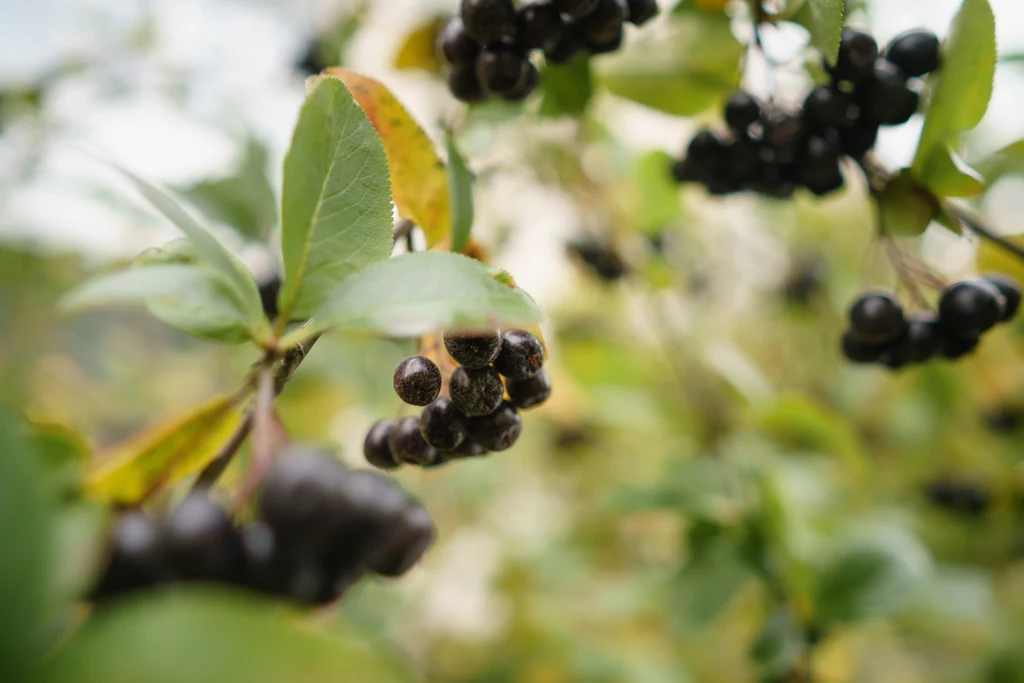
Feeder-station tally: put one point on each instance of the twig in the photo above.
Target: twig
(974, 223)
(265, 438)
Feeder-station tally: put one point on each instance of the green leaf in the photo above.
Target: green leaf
(947, 175)
(824, 20)
(1007, 161)
(906, 206)
(336, 201)
(460, 182)
(24, 570)
(201, 636)
(962, 88)
(566, 89)
(422, 292)
(658, 202)
(780, 644)
(164, 454)
(240, 283)
(62, 452)
(243, 200)
(708, 582)
(688, 71)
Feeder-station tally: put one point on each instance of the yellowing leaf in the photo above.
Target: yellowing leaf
(132, 471)
(419, 181)
(994, 259)
(419, 50)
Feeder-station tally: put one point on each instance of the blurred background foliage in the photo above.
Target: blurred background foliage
(710, 495)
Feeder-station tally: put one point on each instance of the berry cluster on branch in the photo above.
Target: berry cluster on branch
(774, 152)
(480, 413)
(488, 46)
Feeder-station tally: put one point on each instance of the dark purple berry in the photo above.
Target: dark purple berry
(468, 449)
(527, 393)
(921, 341)
(605, 44)
(704, 148)
(957, 347)
(916, 53)
(877, 317)
(576, 8)
(540, 26)
(465, 86)
(857, 54)
(969, 308)
(884, 96)
(138, 557)
(474, 350)
(857, 350)
(959, 497)
(598, 257)
(376, 449)
(443, 426)
(859, 138)
(299, 498)
(270, 288)
(402, 542)
(603, 25)
(497, 431)
(457, 46)
(569, 46)
(1010, 290)
(407, 444)
(476, 392)
(521, 355)
(741, 110)
(686, 171)
(261, 565)
(642, 11)
(827, 106)
(488, 21)
(417, 381)
(201, 541)
(502, 68)
(526, 87)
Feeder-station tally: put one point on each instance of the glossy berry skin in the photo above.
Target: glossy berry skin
(260, 561)
(568, 47)
(859, 138)
(465, 85)
(877, 317)
(501, 68)
(442, 425)
(642, 11)
(969, 308)
(468, 449)
(476, 392)
(741, 110)
(575, 8)
(403, 542)
(885, 97)
(530, 392)
(1010, 290)
(540, 26)
(857, 350)
(137, 559)
(704, 147)
(376, 449)
(827, 106)
(488, 21)
(407, 444)
(417, 381)
(603, 25)
(915, 53)
(497, 431)
(299, 498)
(201, 541)
(521, 355)
(954, 348)
(857, 54)
(607, 43)
(921, 342)
(457, 46)
(526, 87)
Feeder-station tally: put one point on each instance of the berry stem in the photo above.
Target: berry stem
(975, 224)
(267, 434)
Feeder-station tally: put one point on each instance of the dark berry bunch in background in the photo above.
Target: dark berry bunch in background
(488, 46)
(476, 417)
(774, 152)
(320, 527)
(880, 333)
(958, 497)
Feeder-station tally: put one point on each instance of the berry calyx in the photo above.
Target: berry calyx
(488, 21)
(530, 392)
(877, 317)
(521, 355)
(417, 381)
(407, 443)
(443, 425)
(476, 392)
(473, 350)
(916, 53)
(376, 449)
(497, 431)
(969, 308)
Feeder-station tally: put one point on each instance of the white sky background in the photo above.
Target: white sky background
(218, 68)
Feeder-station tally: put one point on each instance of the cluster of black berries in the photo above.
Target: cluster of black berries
(774, 152)
(879, 332)
(488, 46)
(475, 417)
(958, 497)
(320, 528)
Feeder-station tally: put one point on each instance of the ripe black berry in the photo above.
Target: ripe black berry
(741, 110)
(468, 449)
(261, 566)
(827, 106)
(605, 44)
(704, 147)
(959, 497)
(442, 425)
(465, 85)
(299, 498)
(877, 317)
(858, 350)
(488, 21)
(600, 258)
(576, 8)
(530, 392)
(921, 341)
(916, 53)
(540, 26)
(457, 46)
(497, 431)
(417, 381)
(603, 24)
(137, 557)
(859, 138)
(1011, 293)
(501, 67)
(407, 444)
(403, 542)
(954, 347)
(376, 449)
(201, 541)
(642, 11)
(969, 308)
(527, 86)
(270, 288)
(476, 392)
(571, 43)
(885, 97)
(521, 355)
(857, 54)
